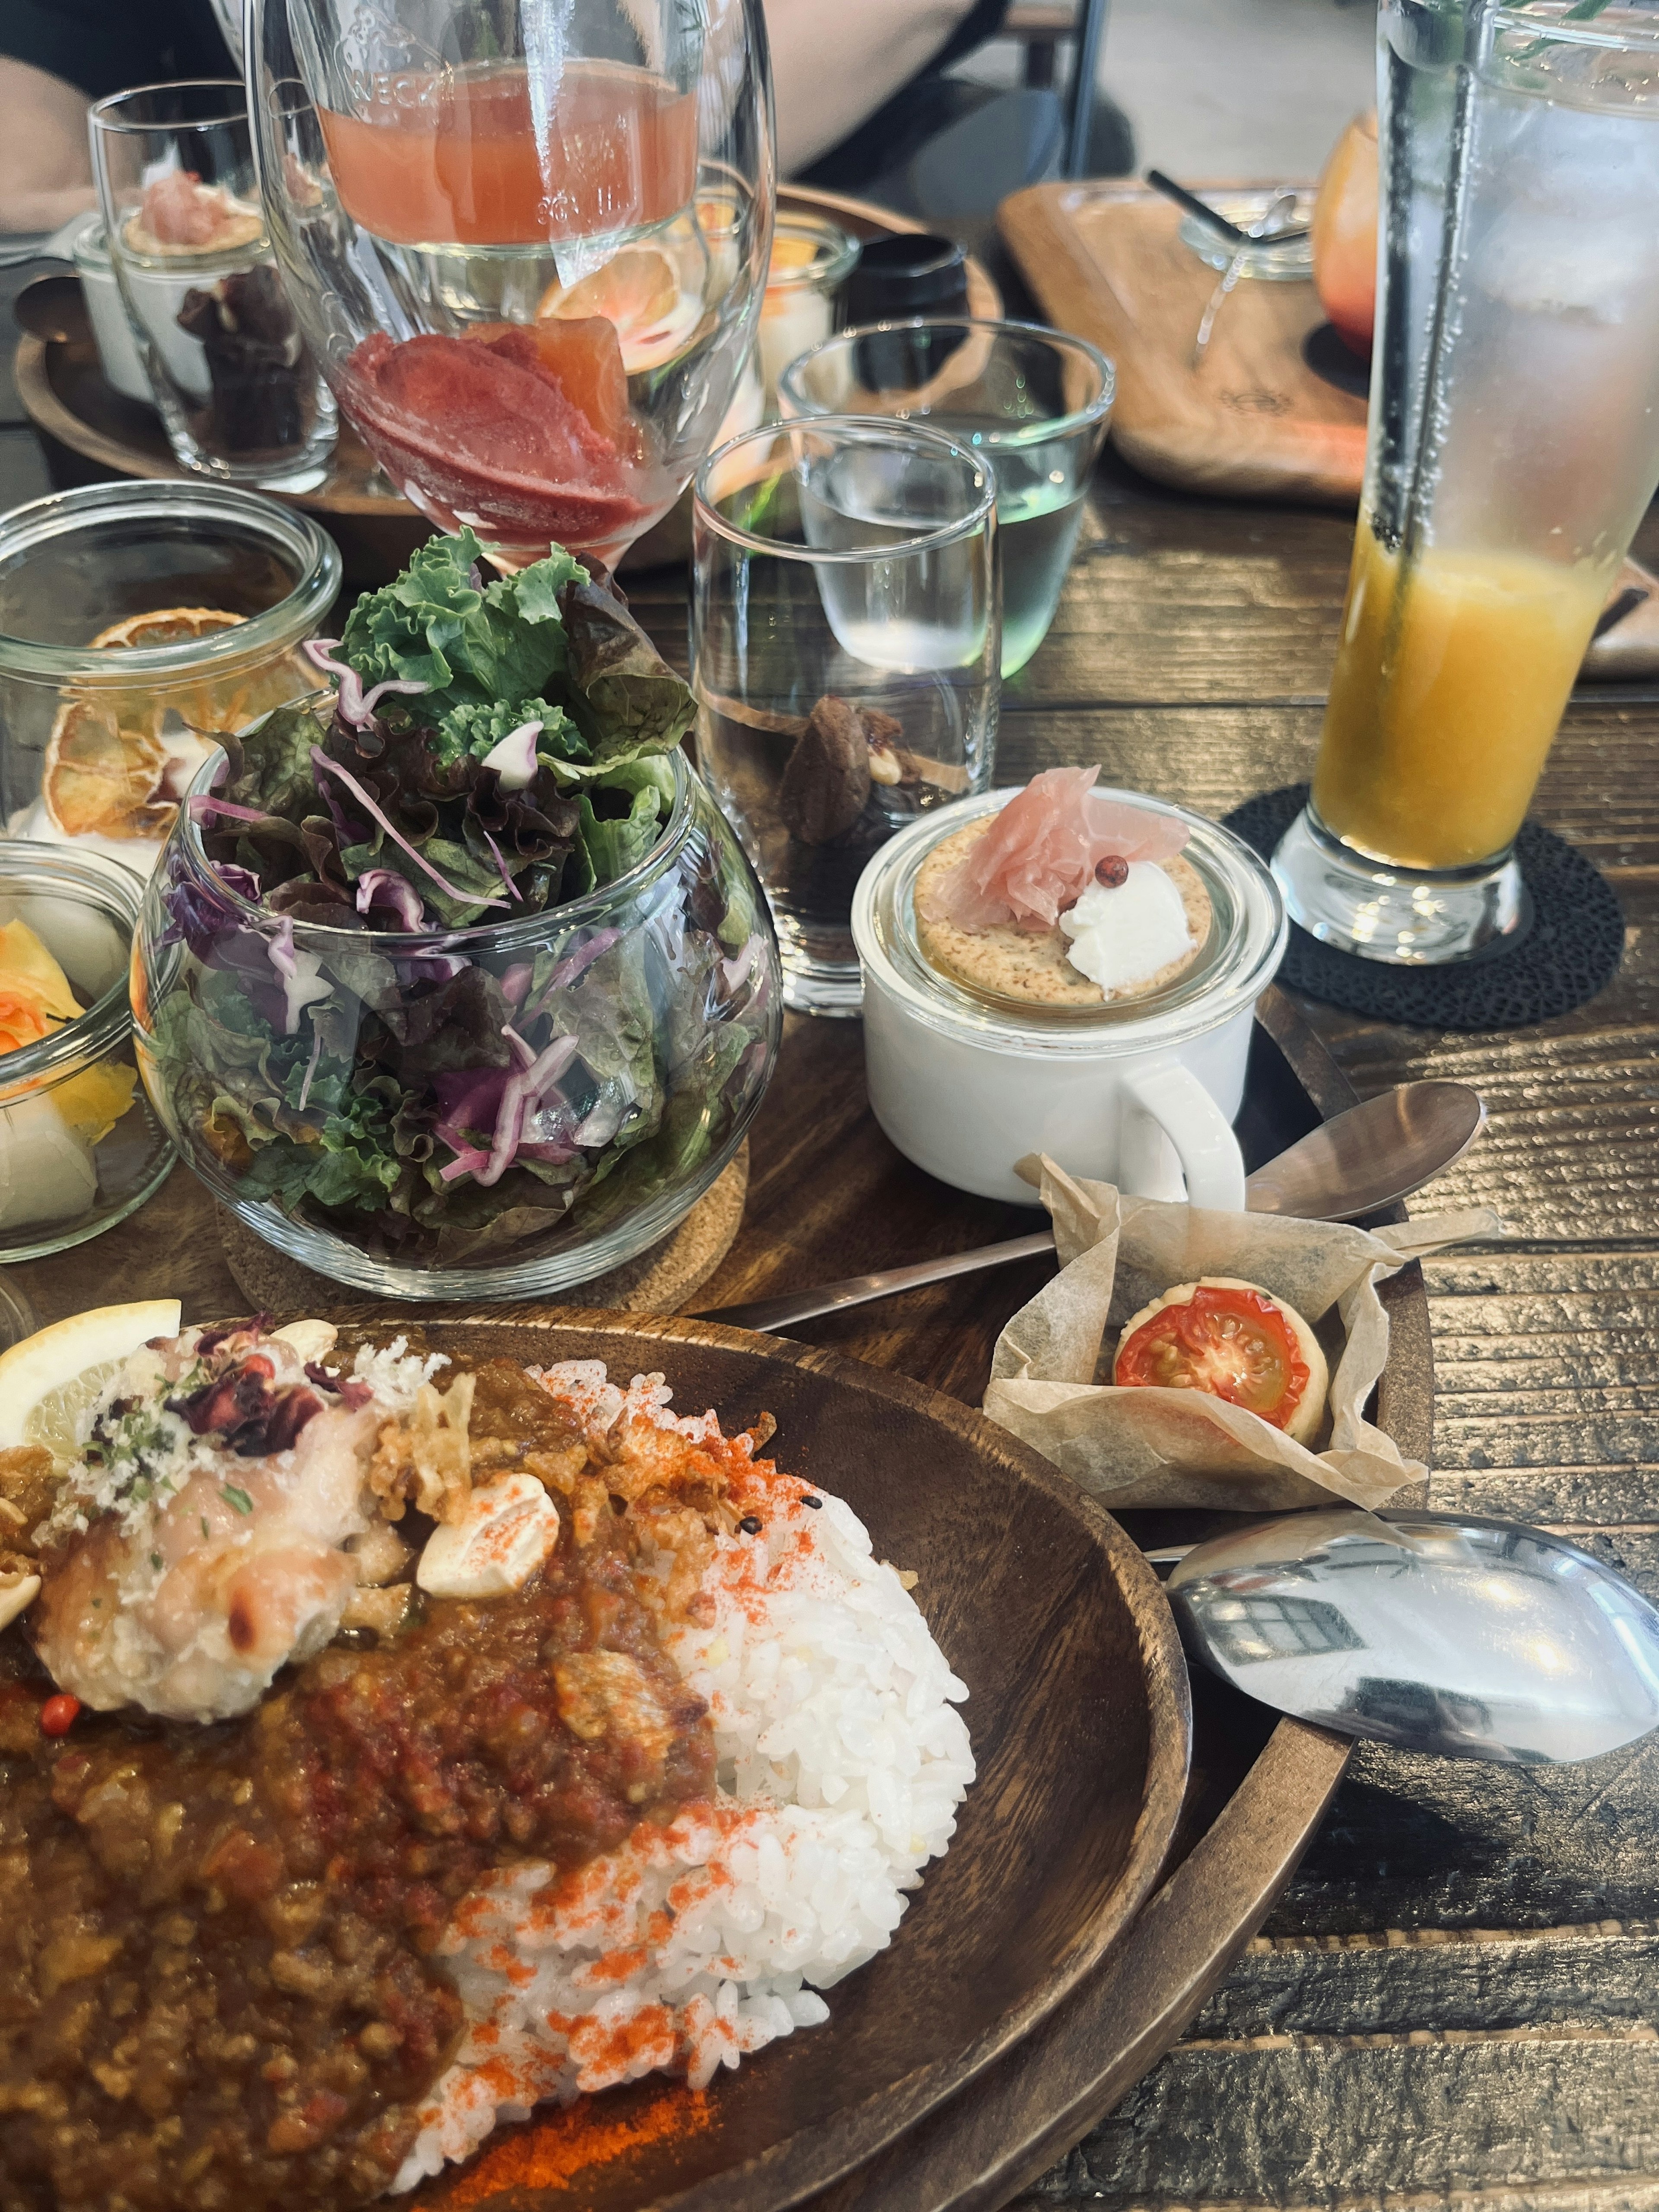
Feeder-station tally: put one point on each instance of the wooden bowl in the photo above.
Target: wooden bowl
(1079, 1715)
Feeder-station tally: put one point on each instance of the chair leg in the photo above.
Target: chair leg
(1040, 63)
(1091, 31)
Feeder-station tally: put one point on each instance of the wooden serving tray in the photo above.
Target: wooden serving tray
(63, 392)
(1255, 420)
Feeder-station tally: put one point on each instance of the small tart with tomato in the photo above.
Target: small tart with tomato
(1235, 1341)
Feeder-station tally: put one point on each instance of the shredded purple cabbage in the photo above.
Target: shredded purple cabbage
(321, 759)
(356, 706)
(385, 887)
(513, 758)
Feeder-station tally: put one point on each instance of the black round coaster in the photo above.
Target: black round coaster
(1570, 952)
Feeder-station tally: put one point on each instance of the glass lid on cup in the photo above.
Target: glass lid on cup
(1022, 984)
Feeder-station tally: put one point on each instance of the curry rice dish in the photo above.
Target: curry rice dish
(447, 1739)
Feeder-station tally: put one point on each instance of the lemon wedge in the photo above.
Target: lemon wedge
(47, 1382)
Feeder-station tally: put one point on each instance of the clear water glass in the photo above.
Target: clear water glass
(846, 641)
(1513, 448)
(231, 375)
(1032, 402)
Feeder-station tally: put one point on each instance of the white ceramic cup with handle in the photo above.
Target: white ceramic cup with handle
(1141, 1093)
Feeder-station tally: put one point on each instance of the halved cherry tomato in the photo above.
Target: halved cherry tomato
(1235, 1344)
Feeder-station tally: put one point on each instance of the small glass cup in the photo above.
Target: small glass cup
(845, 642)
(233, 379)
(812, 261)
(1289, 263)
(98, 742)
(1030, 401)
(80, 1146)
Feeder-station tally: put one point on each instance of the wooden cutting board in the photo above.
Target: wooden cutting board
(1255, 419)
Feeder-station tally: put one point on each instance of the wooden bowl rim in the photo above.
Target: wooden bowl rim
(820, 2152)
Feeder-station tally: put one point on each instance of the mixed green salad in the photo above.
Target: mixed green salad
(495, 750)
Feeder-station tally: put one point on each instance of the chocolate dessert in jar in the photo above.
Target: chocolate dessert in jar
(231, 375)
(1070, 970)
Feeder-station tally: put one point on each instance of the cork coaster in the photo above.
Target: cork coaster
(662, 1280)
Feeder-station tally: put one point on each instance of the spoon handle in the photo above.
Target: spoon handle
(858, 1289)
(886, 1282)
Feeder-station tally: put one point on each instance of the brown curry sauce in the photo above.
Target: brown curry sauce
(217, 1986)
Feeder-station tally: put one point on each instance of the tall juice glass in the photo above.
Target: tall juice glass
(1513, 448)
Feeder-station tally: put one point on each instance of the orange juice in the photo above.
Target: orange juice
(1443, 707)
(459, 160)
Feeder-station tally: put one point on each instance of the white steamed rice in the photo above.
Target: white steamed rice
(841, 1761)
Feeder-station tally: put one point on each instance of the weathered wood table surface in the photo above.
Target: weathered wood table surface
(1457, 2002)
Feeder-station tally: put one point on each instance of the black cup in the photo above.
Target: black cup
(896, 278)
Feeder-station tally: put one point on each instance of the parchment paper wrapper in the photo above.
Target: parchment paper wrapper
(1153, 1446)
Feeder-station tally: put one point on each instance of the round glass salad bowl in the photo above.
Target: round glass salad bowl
(504, 1111)
(526, 245)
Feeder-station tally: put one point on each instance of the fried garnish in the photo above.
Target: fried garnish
(590, 1510)
(427, 1456)
(28, 1491)
(636, 1456)
(680, 1532)
(380, 1556)
(606, 1694)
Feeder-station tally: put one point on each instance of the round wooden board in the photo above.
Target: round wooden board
(662, 1280)
(1079, 1715)
(64, 392)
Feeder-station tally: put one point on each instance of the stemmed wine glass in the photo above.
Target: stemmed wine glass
(526, 239)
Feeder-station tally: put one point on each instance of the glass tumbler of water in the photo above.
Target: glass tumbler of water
(845, 641)
(233, 381)
(1034, 402)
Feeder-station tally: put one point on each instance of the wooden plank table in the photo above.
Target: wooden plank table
(1457, 2002)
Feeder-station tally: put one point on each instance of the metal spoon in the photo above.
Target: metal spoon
(1356, 1163)
(1468, 1638)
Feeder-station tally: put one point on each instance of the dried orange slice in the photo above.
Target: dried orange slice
(640, 294)
(117, 761)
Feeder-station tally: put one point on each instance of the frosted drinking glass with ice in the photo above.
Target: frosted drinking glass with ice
(1513, 448)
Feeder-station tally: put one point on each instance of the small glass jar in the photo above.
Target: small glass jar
(1141, 1093)
(1289, 264)
(98, 740)
(812, 261)
(81, 1147)
(498, 1112)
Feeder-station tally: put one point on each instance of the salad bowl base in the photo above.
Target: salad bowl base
(663, 1280)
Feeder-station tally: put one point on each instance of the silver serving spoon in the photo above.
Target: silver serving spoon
(1468, 1638)
(1358, 1163)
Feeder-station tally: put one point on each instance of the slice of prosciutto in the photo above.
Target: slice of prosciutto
(1041, 852)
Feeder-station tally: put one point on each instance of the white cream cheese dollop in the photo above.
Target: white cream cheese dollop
(507, 1529)
(1122, 933)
